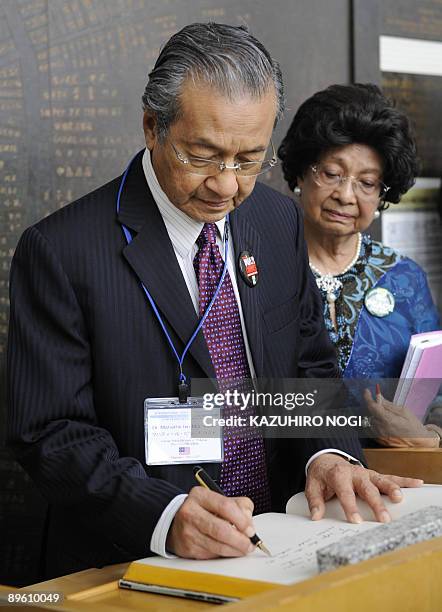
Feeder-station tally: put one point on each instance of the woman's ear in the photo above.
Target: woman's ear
(297, 191)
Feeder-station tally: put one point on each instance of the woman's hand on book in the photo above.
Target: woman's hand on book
(397, 426)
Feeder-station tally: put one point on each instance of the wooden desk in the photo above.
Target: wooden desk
(401, 581)
(405, 580)
(97, 590)
(414, 462)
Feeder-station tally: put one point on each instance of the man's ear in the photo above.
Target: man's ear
(150, 129)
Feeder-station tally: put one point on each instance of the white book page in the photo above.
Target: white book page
(418, 346)
(413, 500)
(293, 539)
(405, 366)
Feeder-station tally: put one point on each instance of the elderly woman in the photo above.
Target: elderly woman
(347, 152)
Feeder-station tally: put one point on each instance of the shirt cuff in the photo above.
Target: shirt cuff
(159, 536)
(335, 451)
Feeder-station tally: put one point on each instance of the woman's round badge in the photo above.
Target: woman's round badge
(379, 302)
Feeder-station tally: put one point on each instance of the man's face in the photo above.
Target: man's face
(213, 127)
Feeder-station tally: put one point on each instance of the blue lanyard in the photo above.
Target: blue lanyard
(182, 378)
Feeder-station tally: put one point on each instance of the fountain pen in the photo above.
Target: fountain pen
(204, 480)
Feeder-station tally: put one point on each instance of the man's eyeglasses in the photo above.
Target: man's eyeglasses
(367, 189)
(212, 167)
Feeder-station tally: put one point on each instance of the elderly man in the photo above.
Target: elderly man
(107, 292)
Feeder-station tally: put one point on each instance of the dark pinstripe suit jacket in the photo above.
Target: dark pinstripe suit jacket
(85, 350)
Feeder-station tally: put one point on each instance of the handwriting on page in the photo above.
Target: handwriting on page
(303, 555)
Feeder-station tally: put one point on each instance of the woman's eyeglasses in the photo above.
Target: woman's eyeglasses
(368, 189)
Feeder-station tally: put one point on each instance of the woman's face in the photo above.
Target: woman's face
(342, 209)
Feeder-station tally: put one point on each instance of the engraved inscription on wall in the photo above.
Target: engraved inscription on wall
(413, 19)
(419, 96)
(72, 74)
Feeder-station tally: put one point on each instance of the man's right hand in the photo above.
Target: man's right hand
(209, 525)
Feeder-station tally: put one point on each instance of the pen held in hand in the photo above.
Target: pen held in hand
(378, 393)
(204, 480)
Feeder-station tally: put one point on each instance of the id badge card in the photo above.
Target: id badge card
(175, 433)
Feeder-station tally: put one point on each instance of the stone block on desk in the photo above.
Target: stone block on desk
(410, 529)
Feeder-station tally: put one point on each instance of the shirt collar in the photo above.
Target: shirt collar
(183, 230)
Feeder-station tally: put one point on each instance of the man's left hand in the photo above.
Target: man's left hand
(330, 475)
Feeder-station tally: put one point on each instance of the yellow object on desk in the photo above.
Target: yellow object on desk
(218, 580)
(294, 539)
(200, 586)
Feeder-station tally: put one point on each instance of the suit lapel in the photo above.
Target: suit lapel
(246, 238)
(151, 256)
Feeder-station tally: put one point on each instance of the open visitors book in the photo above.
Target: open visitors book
(293, 540)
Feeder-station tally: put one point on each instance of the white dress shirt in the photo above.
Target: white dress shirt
(183, 232)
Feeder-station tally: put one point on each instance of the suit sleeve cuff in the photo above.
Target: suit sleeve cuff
(334, 451)
(159, 535)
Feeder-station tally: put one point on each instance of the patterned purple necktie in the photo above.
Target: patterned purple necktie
(243, 472)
